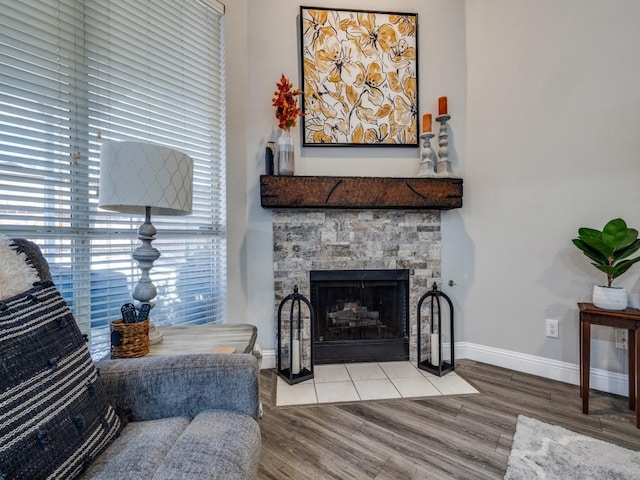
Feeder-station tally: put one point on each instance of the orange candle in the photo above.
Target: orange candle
(426, 122)
(442, 106)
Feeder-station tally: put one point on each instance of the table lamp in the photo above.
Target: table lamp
(137, 177)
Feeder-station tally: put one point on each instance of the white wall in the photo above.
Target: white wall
(545, 130)
(553, 144)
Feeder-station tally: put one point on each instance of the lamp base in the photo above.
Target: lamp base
(155, 335)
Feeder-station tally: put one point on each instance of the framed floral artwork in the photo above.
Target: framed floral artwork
(359, 77)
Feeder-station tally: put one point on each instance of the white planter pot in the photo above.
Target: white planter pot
(610, 298)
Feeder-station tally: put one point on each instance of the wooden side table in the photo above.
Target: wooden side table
(628, 319)
(205, 338)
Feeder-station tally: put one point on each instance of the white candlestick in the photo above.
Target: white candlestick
(295, 357)
(444, 165)
(427, 167)
(435, 349)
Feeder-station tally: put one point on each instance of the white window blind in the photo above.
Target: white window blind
(75, 72)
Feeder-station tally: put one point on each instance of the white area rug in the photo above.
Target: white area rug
(543, 451)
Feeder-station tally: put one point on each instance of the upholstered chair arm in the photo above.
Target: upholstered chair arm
(182, 385)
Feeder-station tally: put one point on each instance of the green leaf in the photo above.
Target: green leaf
(589, 232)
(628, 251)
(592, 253)
(599, 245)
(624, 266)
(632, 235)
(609, 270)
(614, 233)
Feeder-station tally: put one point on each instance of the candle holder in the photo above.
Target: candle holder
(438, 356)
(444, 165)
(427, 167)
(295, 362)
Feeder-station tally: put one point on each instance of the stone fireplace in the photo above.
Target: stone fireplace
(383, 240)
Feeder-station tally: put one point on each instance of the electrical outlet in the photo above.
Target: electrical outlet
(621, 339)
(553, 329)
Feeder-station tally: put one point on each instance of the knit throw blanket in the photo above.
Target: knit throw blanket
(16, 275)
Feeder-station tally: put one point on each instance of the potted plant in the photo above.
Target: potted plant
(609, 251)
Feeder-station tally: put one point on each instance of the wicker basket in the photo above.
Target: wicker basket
(129, 340)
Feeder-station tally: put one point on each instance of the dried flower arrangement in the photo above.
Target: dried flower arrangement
(287, 111)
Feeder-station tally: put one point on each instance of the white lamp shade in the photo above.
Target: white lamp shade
(135, 175)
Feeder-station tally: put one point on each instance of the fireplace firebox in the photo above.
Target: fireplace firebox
(361, 315)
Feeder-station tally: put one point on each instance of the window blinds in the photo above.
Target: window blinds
(75, 72)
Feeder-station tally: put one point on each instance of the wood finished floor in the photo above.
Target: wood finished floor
(465, 436)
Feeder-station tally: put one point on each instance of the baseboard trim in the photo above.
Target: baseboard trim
(268, 359)
(603, 380)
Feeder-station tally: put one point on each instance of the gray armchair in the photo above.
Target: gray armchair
(192, 417)
(179, 417)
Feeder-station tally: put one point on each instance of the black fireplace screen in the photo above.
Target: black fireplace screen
(361, 315)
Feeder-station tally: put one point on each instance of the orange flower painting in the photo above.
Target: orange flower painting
(359, 77)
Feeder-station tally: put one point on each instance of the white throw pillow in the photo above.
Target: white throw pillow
(16, 275)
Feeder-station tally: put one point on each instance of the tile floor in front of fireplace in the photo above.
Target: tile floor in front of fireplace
(353, 382)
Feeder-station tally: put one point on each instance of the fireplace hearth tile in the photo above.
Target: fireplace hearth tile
(331, 373)
(299, 394)
(378, 389)
(365, 371)
(336, 392)
(400, 370)
(410, 387)
(397, 382)
(452, 384)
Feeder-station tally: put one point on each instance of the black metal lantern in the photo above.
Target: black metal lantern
(438, 357)
(295, 348)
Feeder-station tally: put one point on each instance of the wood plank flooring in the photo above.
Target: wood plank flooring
(465, 437)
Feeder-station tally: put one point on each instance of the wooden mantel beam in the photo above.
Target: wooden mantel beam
(360, 192)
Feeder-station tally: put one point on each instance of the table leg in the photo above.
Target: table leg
(636, 371)
(580, 354)
(631, 336)
(585, 362)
